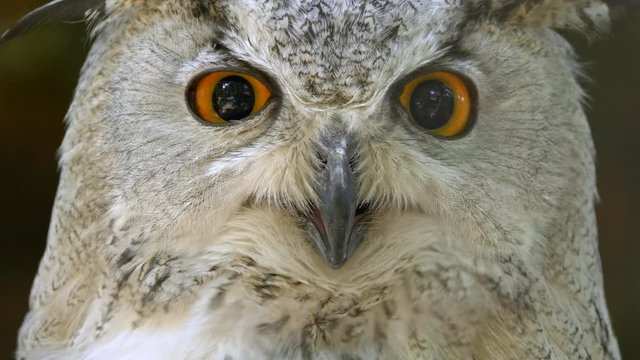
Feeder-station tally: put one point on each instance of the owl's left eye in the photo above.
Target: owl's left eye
(439, 102)
(222, 97)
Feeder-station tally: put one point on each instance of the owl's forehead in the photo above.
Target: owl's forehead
(339, 51)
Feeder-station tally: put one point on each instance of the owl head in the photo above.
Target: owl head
(367, 130)
(334, 127)
(341, 143)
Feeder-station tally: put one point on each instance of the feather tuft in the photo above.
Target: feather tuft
(54, 11)
(591, 16)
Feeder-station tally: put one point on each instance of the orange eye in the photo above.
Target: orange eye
(439, 102)
(223, 96)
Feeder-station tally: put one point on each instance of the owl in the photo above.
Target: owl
(324, 180)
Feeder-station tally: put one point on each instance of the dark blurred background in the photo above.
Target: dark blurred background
(38, 73)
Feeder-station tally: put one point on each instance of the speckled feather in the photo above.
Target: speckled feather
(174, 240)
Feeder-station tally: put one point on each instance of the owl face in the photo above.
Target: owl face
(337, 159)
(323, 180)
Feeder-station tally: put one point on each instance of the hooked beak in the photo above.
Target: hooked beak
(337, 219)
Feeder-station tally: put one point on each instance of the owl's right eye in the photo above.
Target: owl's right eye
(221, 97)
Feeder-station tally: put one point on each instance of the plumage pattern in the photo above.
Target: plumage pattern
(174, 240)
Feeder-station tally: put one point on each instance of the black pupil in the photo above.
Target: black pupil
(233, 98)
(432, 104)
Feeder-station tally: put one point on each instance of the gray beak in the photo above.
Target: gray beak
(337, 214)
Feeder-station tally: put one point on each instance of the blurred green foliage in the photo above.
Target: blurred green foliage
(38, 73)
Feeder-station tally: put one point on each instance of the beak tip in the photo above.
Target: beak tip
(336, 263)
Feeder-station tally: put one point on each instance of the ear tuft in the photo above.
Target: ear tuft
(54, 11)
(590, 16)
